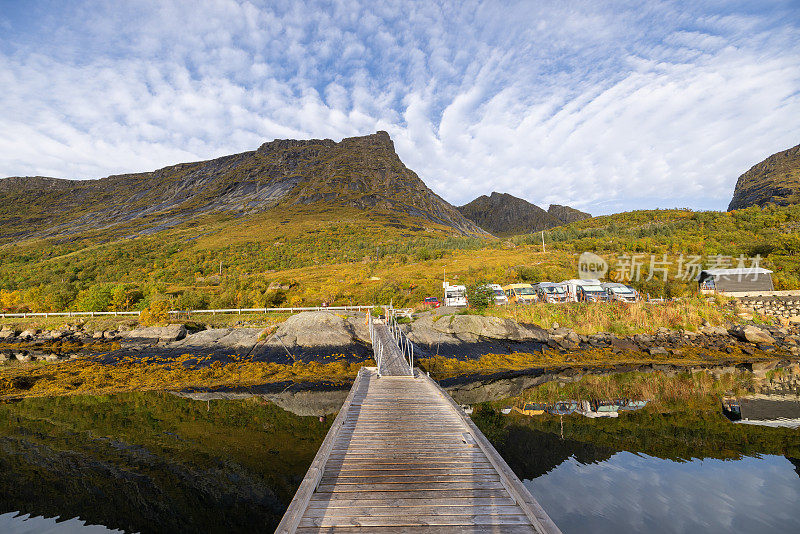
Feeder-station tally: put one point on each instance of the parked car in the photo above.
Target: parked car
(620, 292)
(551, 292)
(500, 297)
(520, 293)
(431, 302)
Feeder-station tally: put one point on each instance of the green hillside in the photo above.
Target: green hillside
(307, 254)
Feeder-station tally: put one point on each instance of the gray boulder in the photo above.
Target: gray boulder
(220, 338)
(6, 335)
(23, 357)
(658, 351)
(156, 334)
(317, 329)
(28, 334)
(714, 330)
(751, 334)
(469, 329)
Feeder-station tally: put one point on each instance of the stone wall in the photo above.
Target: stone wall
(787, 307)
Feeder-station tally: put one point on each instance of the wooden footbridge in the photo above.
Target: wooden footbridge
(402, 456)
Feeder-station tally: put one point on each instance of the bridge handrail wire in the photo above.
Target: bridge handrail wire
(405, 344)
(377, 346)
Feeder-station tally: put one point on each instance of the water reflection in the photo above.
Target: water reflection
(663, 468)
(151, 462)
(13, 523)
(638, 493)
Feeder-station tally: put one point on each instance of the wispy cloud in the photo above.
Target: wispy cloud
(657, 105)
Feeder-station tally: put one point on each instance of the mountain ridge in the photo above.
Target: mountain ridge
(504, 214)
(363, 172)
(775, 180)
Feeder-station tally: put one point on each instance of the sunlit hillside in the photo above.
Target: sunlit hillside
(306, 255)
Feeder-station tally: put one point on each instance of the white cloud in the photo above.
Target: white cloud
(638, 493)
(589, 105)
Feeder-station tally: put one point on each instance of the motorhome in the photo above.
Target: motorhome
(620, 292)
(520, 293)
(551, 292)
(500, 297)
(585, 290)
(598, 409)
(454, 295)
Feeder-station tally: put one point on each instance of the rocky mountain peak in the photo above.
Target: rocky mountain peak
(775, 180)
(504, 214)
(358, 172)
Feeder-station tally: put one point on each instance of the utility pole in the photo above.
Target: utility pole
(542, 240)
(220, 267)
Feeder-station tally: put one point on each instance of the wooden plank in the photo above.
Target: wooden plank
(538, 517)
(291, 519)
(412, 520)
(428, 493)
(351, 488)
(401, 479)
(406, 470)
(368, 510)
(430, 529)
(405, 458)
(332, 501)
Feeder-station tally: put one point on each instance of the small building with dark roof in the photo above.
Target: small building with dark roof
(735, 280)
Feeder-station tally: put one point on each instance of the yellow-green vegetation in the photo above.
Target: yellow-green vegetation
(143, 461)
(87, 376)
(665, 391)
(622, 318)
(306, 255)
(441, 367)
(683, 420)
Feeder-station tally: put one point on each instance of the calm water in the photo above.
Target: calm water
(152, 462)
(639, 493)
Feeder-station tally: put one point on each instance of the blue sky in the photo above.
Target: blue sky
(606, 106)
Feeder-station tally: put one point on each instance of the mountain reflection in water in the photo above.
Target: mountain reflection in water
(687, 468)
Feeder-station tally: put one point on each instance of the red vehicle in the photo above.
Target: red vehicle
(431, 302)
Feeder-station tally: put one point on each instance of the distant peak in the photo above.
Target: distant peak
(285, 144)
(380, 138)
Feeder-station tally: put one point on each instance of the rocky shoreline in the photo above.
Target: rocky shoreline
(326, 336)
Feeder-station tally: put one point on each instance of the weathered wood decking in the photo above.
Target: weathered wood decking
(401, 456)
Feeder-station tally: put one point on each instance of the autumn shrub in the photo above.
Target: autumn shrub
(157, 312)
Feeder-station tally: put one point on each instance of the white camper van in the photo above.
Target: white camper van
(500, 297)
(454, 295)
(620, 292)
(585, 290)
